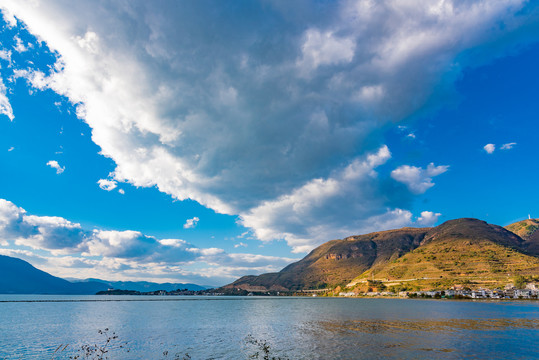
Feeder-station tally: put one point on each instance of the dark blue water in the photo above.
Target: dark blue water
(294, 328)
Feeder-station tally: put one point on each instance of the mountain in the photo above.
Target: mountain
(336, 261)
(528, 231)
(145, 286)
(19, 277)
(462, 250)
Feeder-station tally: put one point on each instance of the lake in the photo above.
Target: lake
(34, 326)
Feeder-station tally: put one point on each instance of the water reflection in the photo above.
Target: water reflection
(430, 326)
(295, 328)
(429, 338)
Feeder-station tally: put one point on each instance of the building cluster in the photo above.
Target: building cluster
(509, 292)
(157, 292)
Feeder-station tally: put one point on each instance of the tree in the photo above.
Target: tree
(519, 281)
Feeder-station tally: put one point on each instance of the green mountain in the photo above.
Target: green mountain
(462, 250)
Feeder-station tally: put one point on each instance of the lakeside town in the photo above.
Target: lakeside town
(531, 291)
(509, 292)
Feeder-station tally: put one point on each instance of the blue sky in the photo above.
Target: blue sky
(203, 141)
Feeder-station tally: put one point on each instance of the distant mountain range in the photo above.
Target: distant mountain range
(457, 251)
(20, 277)
(145, 286)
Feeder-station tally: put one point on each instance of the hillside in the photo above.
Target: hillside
(462, 250)
(19, 277)
(336, 262)
(528, 231)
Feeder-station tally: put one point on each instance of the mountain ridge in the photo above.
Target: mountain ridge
(486, 252)
(21, 277)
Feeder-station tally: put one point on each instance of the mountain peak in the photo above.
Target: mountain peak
(457, 250)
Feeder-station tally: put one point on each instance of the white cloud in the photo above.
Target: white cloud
(107, 184)
(191, 223)
(10, 20)
(52, 233)
(489, 148)
(5, 55)
(5, 105)
(54, 164)
(230, 121)
(508, 146)
(418, 180)
(11, 149)
(37, 232)
(240, 244)
(295, 217)
(121, 191)
(325, 49)
(428, 218)
(12, 224)
(66, 249)
(123, 244)
(20, 46)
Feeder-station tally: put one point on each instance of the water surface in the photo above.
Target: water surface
(33, 327)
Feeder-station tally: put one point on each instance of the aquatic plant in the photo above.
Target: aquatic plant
(258, 349)
(93, 351)
(262, 349)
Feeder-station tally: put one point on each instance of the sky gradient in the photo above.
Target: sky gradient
(203, 141)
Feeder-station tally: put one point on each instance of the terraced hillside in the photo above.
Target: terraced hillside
(336, 262)
(528, 230)
(457, 251)
(460, 251)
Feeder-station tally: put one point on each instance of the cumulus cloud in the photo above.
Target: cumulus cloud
(38, 232)
(67, 249)
(489, 148)
(52, 233)
(418, 180)
(508, 146)
(428, 218)
(12, 224)
(54, 164)
(325, 49)
(191, 223)
(107, 184)
(295, 217)
(268, 105)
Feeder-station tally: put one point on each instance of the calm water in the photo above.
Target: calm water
(296, 328)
